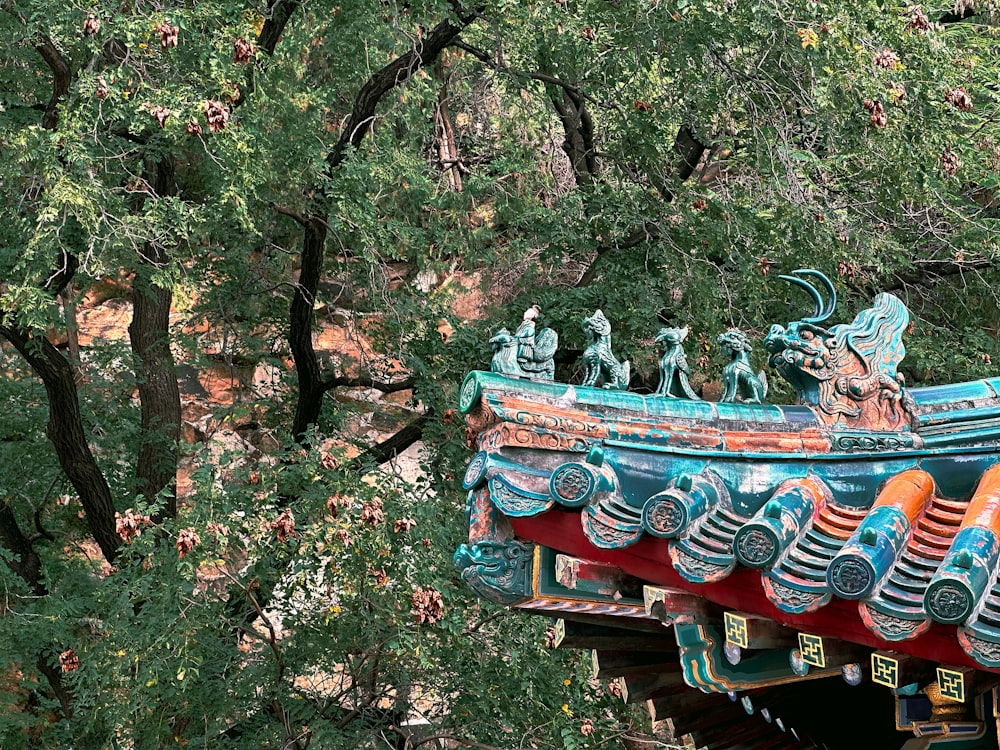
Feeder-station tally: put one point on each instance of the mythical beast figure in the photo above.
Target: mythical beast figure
(738, 379)
(601, 367)
(674, 369)
(847, 371)
(497, 570)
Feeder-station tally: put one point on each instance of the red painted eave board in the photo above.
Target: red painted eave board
(742, 591)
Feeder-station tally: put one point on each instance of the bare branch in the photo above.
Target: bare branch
(393, 446)
(366, 381)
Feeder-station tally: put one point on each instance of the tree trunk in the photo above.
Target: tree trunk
(311, 383)
(72, 324)
(311, 386)
(159, 394)
(451, 163)
(65, 430)
(578, 133)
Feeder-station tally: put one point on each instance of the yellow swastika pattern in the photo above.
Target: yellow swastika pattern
(811, 647)
(885, 670)
(736, 630)
(951, 684)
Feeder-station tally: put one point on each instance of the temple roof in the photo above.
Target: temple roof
(856, 533)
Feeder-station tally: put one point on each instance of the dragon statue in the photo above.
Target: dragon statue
(847, 371)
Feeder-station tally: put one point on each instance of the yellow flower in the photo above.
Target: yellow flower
(566, 709)
(809, 38)
(566, 682)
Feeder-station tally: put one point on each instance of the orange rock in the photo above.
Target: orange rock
(221, 383)
(108, 321)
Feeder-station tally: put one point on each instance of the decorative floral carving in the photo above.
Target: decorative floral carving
(663, 516)
(756, 546)
(475, 472)
(872, 443)
(850, 577)
(469, 395)
(504, 435)
(949, 602)
(572, 484)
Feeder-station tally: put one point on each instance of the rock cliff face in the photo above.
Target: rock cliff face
(222, 387)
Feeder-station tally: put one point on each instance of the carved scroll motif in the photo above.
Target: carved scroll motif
(507, 435)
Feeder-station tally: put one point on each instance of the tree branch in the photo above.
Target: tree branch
(689, 150)
(926, 272)
(311, 384)
(501, 67)
(366, 381)
(393, 446)
(638, 237)
(292, 213)
(279, 13)
(62, 76)
(28, 566)
(25, 561)
(399, 71)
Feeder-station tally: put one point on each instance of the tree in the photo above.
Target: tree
(250, 167)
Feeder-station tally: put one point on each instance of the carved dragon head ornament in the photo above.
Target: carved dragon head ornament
(848, 371)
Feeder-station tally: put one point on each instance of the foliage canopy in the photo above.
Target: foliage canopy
(242, 174)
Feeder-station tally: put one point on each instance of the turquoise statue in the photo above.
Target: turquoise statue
(848, 371)
(738, 380)
(601, 367)
(674, 368)
(525, 354)
(505, 354)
